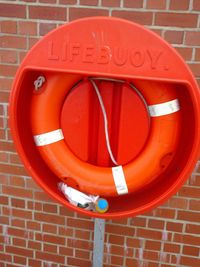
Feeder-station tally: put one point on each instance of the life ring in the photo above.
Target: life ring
(153, 160)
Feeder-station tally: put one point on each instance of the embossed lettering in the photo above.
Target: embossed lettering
(154, 57)
(64, 55)
(120, 55)
(88, 54)
(137, 57)
(74, 50)
(103, 55)
(50, 53)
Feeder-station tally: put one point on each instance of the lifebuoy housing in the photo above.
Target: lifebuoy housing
(163, 108)
(156, 144)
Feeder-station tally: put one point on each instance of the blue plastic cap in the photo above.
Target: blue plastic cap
(102, 204)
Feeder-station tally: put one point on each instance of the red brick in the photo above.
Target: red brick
(188, 216)
(34, 245)
(48, 1)
(177, 203)
(196, 5)
(19, 242)
(47, 13)
(116, 260)
(144, 18)
(8, 56)
(196, 71)
(8, 26)
(171, 248)
(75, 13)
(13, 42)
(49, 257)
(44, 28)
(120, 230)
(131, 263)
(75, 243)
(49, 248)
(176, 19)
(4, 97)
(138, 221)
(20, 260)
(33, 225)
(3, 200)
(54, 239)
(165, 213)
(12, 10)
(111, 3)
(19, 213)
(189, 250)
(157, 224)
(19, 251)
(133, 4)
(174, 226)
(185, 52)
(18, 223)
(154, 4)
(192, 38)
(27, 28)
(42, 196)
(82, 254)
(34, 205)
(82, 234)
(187, 239)
(65, 231)
(78, 262)
(4, 220)
(193, 229)
(34, 263)
(18, 192)
(14, 158)
(17, 181)
(115, 239)
(50, 208)
(32, 41)
(89, 2)
(133, 242)
(190, 261)
(31, 184)
(179, 5)
(174, 37)
(5, 146)
(66, 251)
(8, 70)
(5, 258)
(80, 223)
(146, 233)
(148, 255)
(194, 205)
(152, 245)
(49, 228)
(67, 2)
(49, 218)
(65, 212)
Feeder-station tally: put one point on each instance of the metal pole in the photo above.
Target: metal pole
(98, 248)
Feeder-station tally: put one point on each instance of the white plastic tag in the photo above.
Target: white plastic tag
(48, 138)
(120, 181)
(164, 108)
(78, 198)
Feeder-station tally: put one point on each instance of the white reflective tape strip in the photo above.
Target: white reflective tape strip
(120, 181)
(48, 138)
(164, 108)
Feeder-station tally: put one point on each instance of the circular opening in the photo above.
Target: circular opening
(83, 122)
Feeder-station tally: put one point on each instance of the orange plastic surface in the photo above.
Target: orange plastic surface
(157, 163)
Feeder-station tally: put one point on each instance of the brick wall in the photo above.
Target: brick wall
(34, 230)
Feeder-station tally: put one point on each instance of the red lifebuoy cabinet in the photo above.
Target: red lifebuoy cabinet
(152, 106)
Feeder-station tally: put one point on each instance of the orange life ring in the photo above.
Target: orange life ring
(153, 160)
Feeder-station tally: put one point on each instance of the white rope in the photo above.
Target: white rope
(105, 121)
